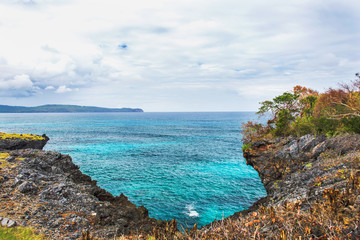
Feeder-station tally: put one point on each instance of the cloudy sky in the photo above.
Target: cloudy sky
(165, 55)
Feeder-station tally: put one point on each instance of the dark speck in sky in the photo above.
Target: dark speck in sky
(123, 46)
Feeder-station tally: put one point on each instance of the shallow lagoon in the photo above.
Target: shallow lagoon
(187, 166)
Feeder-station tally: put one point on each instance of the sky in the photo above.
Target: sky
(171, 56)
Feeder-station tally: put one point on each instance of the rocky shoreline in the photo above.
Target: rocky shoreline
(313, 191)
(312, 184)
(294, 169)
(304, 178)
(47, 191)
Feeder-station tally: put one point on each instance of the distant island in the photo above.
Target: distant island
(58, 108)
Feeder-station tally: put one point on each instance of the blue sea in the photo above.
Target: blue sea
(187, 166)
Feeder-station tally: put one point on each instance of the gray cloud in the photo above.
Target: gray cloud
(164, 56)
(21, 82)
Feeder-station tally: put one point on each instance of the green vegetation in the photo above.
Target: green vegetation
(305, 111)
(245, 147)
(19, 233)
(62, 108)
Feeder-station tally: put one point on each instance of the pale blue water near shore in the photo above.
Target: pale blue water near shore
(187, 166)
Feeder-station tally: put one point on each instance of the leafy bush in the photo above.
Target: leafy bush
(283, 123)
(304, 125)
(305, 111)
(252, 131)
(245, 147)
(352, 125)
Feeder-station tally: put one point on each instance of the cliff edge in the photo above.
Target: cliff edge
(294, 169)
(313, 190)
(45, 190)
(312, 184)
(13, 141)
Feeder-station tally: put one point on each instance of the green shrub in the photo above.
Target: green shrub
(252, 131)
(305, 111)
(245, 147)
(304, 125)
(326, 126)
(352, 125)
(282, 125)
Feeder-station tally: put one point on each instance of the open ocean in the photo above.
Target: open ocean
(187, 166)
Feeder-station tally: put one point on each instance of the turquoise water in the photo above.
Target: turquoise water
(187, 166)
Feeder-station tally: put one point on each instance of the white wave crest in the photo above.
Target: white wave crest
(191, 211)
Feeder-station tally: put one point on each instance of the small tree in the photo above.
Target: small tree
(340, 103)
(305, 111)
(283, 109)
(307, 99)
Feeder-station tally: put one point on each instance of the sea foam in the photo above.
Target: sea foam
(191, 211)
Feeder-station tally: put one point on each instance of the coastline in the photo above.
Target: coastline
(313, 190)
(46, 190)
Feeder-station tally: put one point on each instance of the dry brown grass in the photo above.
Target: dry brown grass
(336, 216)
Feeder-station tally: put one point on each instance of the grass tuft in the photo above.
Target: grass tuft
(19, 233)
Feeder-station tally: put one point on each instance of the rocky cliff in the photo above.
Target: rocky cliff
(313, 187)
(293, 169)
(14, 141)
(47, 191)
(313, 191)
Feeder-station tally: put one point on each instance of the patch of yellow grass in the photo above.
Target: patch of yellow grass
(21, 136)
(3, 162)
(19, 233)
(3, 156)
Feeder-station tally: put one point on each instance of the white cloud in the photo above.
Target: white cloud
(63, 89)
(49, 88)
(230, 46)
(19, 82)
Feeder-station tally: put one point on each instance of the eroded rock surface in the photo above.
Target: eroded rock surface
(294, 169)
(21, 143)
(47, 191)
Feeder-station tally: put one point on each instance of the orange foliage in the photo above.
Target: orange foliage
(303, 92)
(338, 103)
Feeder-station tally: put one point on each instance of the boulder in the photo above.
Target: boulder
(4, 222)
(27, 187)
(11, 224)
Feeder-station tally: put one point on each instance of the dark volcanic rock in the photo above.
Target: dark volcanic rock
(18, 143)
(294, 169)
(311, 182)
(47, 191)
(27, 187)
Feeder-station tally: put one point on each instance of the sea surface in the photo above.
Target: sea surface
(187, 166)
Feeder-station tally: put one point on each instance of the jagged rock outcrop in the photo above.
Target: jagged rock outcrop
(313, 191)
(12, 143)
(47, 191)
(302, 168)
(7, 222)
(313, 187)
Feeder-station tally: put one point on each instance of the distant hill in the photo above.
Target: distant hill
(56, 108)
